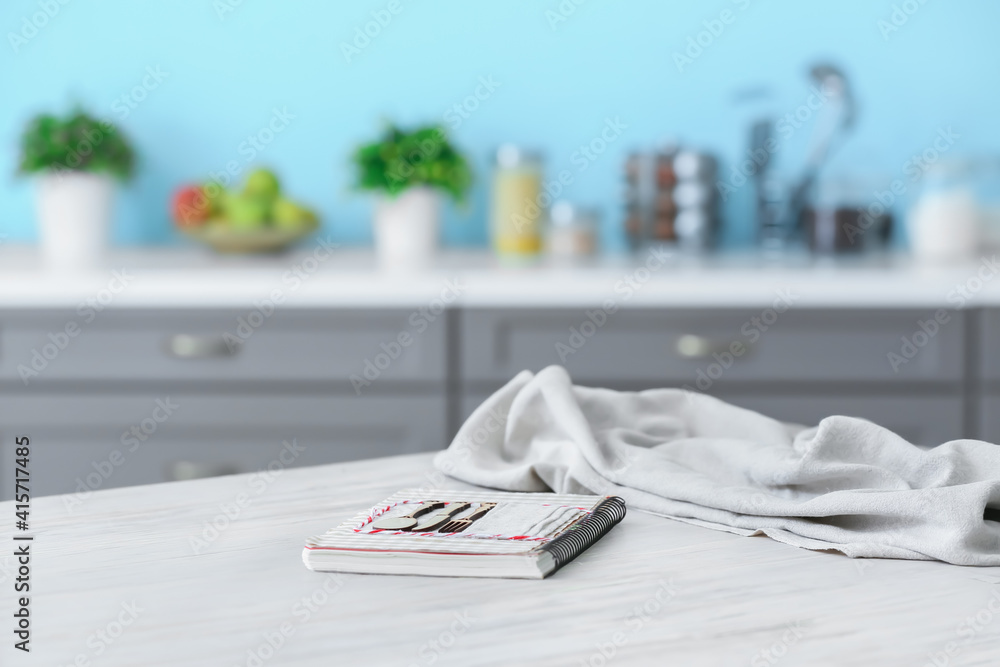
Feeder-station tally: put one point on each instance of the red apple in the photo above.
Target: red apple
(190, 206)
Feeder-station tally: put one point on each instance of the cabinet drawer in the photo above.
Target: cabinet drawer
(989, 418)
(989, 341)
(923, 420)
(189, 345)
(161, 438)
(683, 346)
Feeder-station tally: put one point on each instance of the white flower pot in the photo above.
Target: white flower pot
(406, 228)
(74, 216)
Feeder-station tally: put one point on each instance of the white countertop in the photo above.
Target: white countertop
(122, 566)
(182, 277)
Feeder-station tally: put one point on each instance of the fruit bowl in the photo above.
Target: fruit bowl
(257, 219)
(223, 238)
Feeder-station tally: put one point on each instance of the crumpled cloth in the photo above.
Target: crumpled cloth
(846, 484)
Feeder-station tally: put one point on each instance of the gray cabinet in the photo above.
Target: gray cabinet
(89, 442)
(986, 376)
(326, 346)
(712, 347)
(988, 366)
(347, 384)
(899, 368)
(246, 381)
(989, 418)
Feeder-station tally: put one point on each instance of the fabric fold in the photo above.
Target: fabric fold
(846, 484)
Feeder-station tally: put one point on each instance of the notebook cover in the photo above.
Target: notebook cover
(596, 517)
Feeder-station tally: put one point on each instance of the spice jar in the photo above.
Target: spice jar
(573, 231)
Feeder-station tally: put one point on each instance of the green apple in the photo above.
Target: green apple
(262, 184)
(244, 212)
(289, 215)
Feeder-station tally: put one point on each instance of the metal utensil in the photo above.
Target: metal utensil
(458, 525)
(438, 519)
(407, 521)
(830, 126)
(761, 136)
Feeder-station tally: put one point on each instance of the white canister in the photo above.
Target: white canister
(74, 216)
(945, 226)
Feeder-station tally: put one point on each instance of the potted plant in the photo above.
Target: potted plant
(77, 158)
(409, 171)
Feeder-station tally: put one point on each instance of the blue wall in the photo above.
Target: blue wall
(558, 82)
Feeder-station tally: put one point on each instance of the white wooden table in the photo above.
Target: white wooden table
(118, 583)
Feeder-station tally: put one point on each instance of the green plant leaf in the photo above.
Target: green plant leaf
(421, 157)
(77, 142)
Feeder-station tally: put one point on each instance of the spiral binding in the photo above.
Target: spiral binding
(580, 536)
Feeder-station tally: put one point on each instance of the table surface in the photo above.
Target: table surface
(315, 277)
(118, 582)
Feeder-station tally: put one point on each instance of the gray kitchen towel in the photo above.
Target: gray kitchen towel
(846, 484)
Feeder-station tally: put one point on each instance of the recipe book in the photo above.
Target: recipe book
(466, 534)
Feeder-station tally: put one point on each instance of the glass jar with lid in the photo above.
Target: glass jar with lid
(950, 218)
(572, 230)
(518, 205)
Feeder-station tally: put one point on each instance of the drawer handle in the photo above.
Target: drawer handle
(186, 346)
(690, 346)
(179, 471)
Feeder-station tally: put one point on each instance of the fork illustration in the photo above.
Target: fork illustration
(458, 525)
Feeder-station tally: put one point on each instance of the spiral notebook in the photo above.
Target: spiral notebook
(466, 534)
